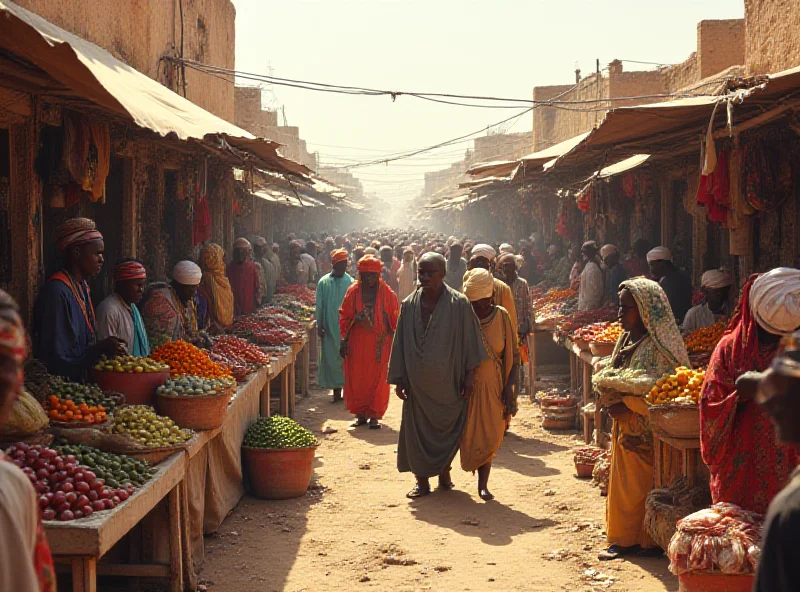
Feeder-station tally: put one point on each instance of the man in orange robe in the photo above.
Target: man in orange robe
(367, 321)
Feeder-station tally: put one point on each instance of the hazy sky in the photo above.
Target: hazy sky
(499, 48)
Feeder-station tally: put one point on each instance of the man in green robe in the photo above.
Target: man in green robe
(436, 349)
(330, 294)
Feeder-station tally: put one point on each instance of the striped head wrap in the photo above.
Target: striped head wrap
(75, 232)
(338, 255)
(370, 264)
(129, 270)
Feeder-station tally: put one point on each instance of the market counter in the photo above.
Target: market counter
(82, 543)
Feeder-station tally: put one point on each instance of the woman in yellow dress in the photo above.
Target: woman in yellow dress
(650, 347)
(493, 396)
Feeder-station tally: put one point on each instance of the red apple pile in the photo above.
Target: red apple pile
(66, 490)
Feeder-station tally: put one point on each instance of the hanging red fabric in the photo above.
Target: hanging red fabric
(714, 190)
(201, 230)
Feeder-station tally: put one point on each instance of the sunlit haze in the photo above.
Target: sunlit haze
(500, 48)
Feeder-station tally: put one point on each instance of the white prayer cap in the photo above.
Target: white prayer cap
(716, 278)
(659, 254)
(483, 250)
(506, 248)
(187, 273)
(775, 300)
(608, 250)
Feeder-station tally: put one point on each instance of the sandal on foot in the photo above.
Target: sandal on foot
(617, 552)
(486, 495)
(358, 423)
(417, 492)
(374, 425)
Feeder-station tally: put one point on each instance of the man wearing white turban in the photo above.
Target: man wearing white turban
(677, 286)
(483, 250)
(716, 286)
(506, 248)
(591, 291)
(170, 311)
(775, 300)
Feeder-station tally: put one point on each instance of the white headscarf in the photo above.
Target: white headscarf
(659, 254)
(478, 284)
(775, 300)
(484, 251)
(716, 278)
(187, 273)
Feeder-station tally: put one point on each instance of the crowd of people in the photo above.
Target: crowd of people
(447, 322)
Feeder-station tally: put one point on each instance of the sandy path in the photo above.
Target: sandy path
(360, 533)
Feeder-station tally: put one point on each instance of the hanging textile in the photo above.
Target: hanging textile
(767, 174)
(714, 190)
(584, 198)
(101, 138)
(77, 137)
(201, 228)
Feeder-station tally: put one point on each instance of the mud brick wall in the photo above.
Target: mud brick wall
(773, 42)
(140, 33)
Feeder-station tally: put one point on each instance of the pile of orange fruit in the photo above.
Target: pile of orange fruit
(684, 386)
(705, 339)
(67, 410)
(610, 334)
(184, 359)
(555, 296)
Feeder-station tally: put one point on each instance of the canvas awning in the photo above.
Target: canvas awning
(509, 173)
(453, 201)
(92, 73)
(498, 168)
(623, 166)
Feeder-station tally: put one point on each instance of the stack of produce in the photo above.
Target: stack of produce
(547, 306)
(27, 417)
(148, 430)
(567, 325)
(683, 387)
(82, 393)
(238, 355)
(264, 331)
(722, 538)
(705, 339)
(301, 294)
(278, 432)
(130, 365)
(186, 359)
(117, 470)
(298, 309)
(559, 409)
(66, 489)
(610, 334)
(68, 411)
(193, 386)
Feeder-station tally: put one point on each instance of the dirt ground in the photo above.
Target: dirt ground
(355, 530)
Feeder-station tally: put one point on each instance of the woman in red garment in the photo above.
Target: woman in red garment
(367, 320)
(737, 438)
(243, 275)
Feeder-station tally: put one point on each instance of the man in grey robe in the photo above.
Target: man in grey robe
(436, 348)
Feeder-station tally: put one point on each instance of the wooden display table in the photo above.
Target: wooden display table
(581, 367)
(279, 367)
(690, 456)
(83, 542)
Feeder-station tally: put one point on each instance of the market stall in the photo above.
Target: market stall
(144, 479)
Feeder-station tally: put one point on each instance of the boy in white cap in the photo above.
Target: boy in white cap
(170, 311)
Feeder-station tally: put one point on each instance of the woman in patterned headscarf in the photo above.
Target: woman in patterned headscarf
(650, 347)
(216, 288)
(25, 560)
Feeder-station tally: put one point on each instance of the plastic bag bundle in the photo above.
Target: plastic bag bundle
(722, 538)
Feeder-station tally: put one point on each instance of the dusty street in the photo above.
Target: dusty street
(357, 531)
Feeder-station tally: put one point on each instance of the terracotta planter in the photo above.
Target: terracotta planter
(198, 412)
(714, 582)
(139, 389)
(584, 471)
(278, 473)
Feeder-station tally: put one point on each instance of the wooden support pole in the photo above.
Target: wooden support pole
(175, 547)
(84, 574)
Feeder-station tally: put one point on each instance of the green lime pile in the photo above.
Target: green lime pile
(278, 432)
(117, 470)
(195, 386)
(80, 393)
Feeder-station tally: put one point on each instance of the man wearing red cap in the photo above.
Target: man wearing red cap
(118, 315)
(367, 319)
(64, 324)
(331, 290)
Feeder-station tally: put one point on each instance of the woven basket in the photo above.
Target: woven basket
(581, 344)
(201, 412)
(154, 455)
(42, 438)
(661, 516)
(676, 421)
